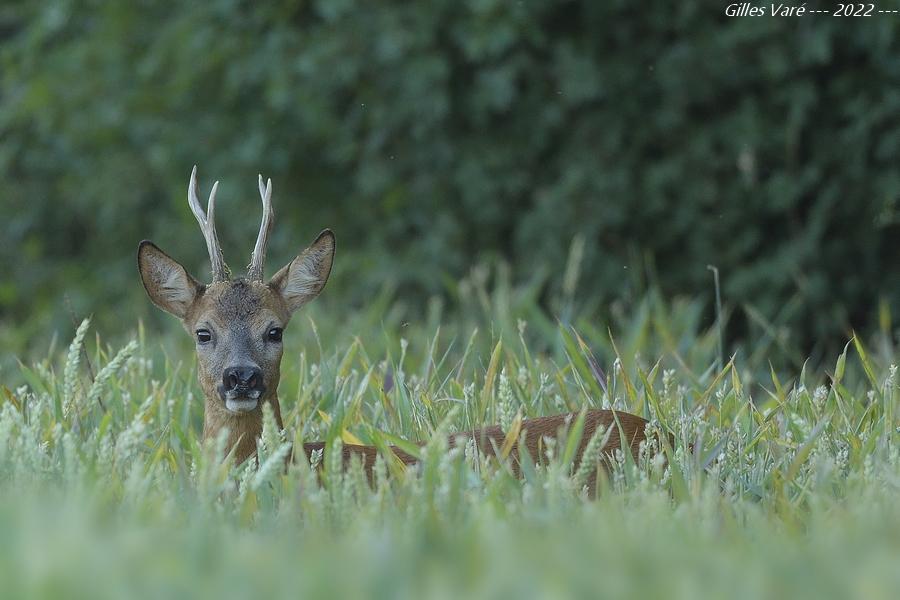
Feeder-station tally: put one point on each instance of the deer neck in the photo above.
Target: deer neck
(243, 429)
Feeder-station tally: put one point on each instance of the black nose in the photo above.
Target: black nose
(249, 378)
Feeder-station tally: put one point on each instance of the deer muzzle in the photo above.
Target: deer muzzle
(241, 388)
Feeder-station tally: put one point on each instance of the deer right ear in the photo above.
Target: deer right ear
(168, 284)
(305, 276)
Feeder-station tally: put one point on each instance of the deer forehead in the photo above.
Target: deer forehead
(238, 304)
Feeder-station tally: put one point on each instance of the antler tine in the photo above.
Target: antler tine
(258, 260)
(207, 223)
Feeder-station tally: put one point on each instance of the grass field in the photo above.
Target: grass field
(791, 490)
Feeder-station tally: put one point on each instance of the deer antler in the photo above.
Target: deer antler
(207, 223)
(258, 261)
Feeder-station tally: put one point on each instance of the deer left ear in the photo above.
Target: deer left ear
(168, 284)
(305, 276)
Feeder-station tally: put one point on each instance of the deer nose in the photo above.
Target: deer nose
(249, 378)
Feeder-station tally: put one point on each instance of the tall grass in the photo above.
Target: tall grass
(785, 486)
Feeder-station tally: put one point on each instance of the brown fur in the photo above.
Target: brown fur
(489, 440)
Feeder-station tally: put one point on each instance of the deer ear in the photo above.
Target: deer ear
(305, 276)
(168, 284)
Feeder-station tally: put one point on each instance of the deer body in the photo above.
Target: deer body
(238, 324)
(535, 431)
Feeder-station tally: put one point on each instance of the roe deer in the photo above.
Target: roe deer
(238, 324)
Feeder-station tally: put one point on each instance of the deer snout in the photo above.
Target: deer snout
(246, 378)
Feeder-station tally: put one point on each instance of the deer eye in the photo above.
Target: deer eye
(274, 334)
(203, 336)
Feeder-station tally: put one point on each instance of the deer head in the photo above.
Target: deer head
(237, 323)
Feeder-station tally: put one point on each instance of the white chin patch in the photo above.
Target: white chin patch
(241, 405)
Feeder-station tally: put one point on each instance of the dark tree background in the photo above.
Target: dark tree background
(434, 135)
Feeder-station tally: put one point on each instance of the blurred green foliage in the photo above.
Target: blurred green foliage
(434, 136)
